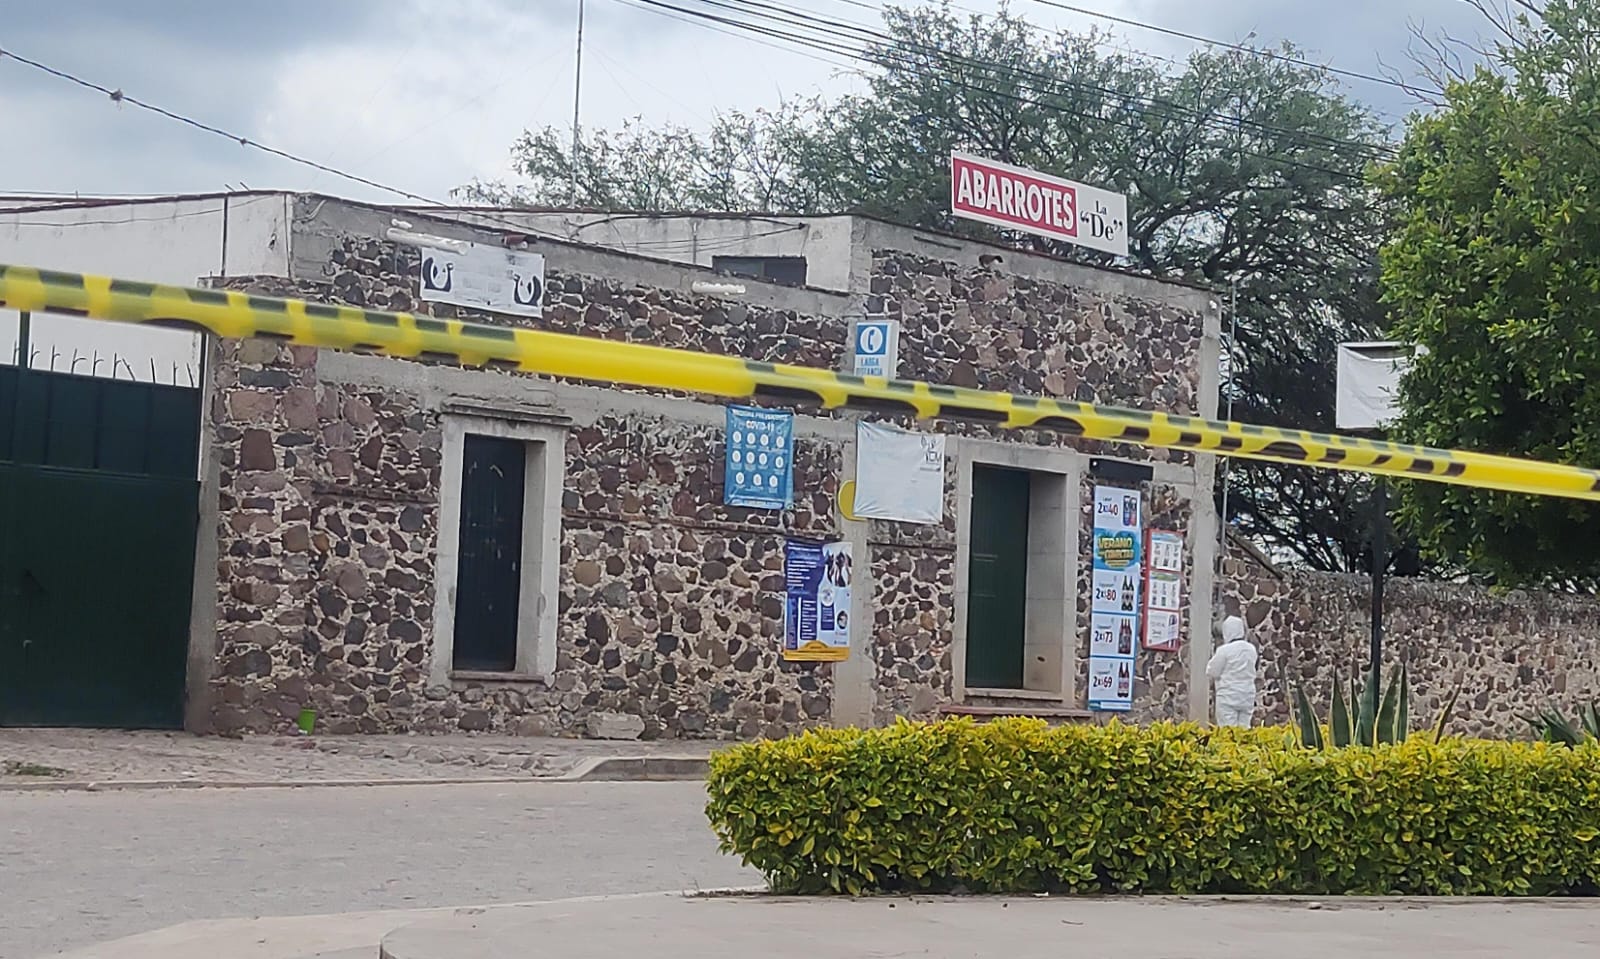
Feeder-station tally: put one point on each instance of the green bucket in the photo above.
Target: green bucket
(307, 721)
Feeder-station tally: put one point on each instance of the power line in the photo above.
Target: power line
(118, 96)
(784, 14)
(700, 23)
(1259, 52)
(486, 219)
(1196, 38)
(947, 77)
(885, 43)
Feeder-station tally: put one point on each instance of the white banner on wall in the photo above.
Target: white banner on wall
(484, 277)
(899, 474)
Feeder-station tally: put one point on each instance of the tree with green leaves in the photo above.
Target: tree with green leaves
(1239, 169)
(1494, 270)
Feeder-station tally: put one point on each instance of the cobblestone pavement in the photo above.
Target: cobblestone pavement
(83, 867)
(110, 756)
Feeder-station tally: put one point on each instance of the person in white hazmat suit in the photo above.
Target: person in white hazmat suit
(1233, 672)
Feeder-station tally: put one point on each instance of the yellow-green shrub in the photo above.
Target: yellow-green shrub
(1016, 806)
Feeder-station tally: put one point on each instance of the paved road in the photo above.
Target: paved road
(77, 868)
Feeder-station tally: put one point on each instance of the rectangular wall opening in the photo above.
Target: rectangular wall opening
(1017, 597)
(997, 578)
(490, 553)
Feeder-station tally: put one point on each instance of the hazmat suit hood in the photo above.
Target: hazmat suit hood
(1232, 629)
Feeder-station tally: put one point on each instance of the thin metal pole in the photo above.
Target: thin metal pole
(1380, 566)
(1227, 467)
(577, 100)
(24, 357)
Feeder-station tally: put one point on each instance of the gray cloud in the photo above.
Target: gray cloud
(234, 28)
(1366, 36)
(427, 94)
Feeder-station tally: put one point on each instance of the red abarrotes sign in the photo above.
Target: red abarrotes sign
(1019, 199)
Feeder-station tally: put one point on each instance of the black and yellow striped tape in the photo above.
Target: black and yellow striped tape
(233, 314)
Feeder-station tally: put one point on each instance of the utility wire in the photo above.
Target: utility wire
(1260, 52)
(1207, 41)
(118, 96)
(694, 20)
(844, 30)
(878, 57)
(886, 46)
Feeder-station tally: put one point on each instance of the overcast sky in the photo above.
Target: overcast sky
(427, 94)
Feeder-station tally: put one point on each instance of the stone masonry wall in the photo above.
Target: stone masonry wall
(1514, 652)
(669, 600)
(330, 502)
(986, 329)
(983, 328)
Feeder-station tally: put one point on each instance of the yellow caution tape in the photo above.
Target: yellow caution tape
(233, 314)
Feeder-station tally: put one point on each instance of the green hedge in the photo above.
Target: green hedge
(1016, 806)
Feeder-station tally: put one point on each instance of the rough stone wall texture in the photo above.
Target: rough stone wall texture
(983, 328)
(669, 600)
(1514, 652)
(327, 528)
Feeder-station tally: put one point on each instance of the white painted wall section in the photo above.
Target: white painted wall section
(165, 241)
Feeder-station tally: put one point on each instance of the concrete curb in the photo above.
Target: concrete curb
(638, 769)
(592, 770)
(111, 785)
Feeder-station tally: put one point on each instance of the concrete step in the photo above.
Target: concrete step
(995, 708)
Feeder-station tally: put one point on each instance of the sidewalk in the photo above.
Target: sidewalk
(79, 758)
(666, 927)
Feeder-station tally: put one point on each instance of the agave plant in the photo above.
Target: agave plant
(1366, 718)
(1553, 726)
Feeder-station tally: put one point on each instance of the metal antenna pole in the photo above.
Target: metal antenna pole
(1233, 330)
(577, 100)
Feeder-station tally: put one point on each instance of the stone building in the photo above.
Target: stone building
(310, 537)
(335, 489)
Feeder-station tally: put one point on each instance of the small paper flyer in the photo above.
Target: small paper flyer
(1163, 592)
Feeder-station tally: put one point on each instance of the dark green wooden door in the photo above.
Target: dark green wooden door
(489, 577)
(98, 508)
(997, 578)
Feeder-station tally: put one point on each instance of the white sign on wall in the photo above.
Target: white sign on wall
(875, 347)
(899, 474)
(484, 277)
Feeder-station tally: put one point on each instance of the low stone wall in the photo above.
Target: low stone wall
(1514, 652)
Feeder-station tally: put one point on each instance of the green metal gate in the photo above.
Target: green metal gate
(98, 509)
